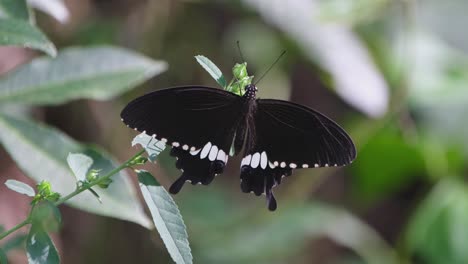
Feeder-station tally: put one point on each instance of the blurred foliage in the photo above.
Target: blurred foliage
(394, 73)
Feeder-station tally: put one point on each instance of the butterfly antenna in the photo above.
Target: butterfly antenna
(240, 51)
(271, 67)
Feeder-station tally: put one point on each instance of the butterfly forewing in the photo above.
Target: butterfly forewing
(298, 137)
(198, 122)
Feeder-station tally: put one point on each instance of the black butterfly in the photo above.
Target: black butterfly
(201, 124)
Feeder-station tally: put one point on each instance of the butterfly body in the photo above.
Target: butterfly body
(275, 137)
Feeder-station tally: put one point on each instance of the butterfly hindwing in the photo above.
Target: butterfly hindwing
(198, 122)
(290, 136)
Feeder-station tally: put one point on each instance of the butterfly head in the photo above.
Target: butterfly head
(250, 91)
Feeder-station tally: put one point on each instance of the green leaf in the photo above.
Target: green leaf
(3, 257)
(41, 152)
(98, 73)
(145, 178)
(46, 215)
(437, 232)
(20, 187)
(15, 32)
(166, 217)
(386, 163)
(14, 9)
(292, 226)
(152, 146)
(16, 242)
(40, 248)
(79, 165)
(212, 69)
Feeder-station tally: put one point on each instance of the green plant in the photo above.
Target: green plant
(99, 73)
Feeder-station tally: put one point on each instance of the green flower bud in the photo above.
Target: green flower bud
(240, 71)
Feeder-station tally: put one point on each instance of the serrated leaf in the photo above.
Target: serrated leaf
(54, 8)
(3, 257)
(97, 73)
(166, 217)
(41, 152)
(40, 248)
(20, 187)
(152, 146)
(79, 164)
(15, 32)
(212, 69)
(16, 9)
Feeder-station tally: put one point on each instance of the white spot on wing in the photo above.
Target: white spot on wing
(292, 165)
(255, 160)
(316, 165)
(185, 147)
(221, 155)
(213, 153)
(305, 166)
(195, 152)
(283, 164)
(175, 144)
(205, 150)
(263, 160)
(246, 160)
(272, 166)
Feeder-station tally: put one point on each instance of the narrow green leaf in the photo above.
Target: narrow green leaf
(167, 218)
(15, 32)
(41, 152)
(152, 146)
(97, 73)
(212, 69)
(14, 9)
(95, 194)
(20, 187)
(79, 165)
(40, 248)
(3, 257)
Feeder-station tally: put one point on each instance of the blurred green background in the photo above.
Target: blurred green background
(392, 72)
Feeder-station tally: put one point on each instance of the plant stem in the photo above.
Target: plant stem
(79, 190)
(99, 180)
(15, 228)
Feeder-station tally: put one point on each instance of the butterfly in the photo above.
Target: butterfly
(276, 137)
